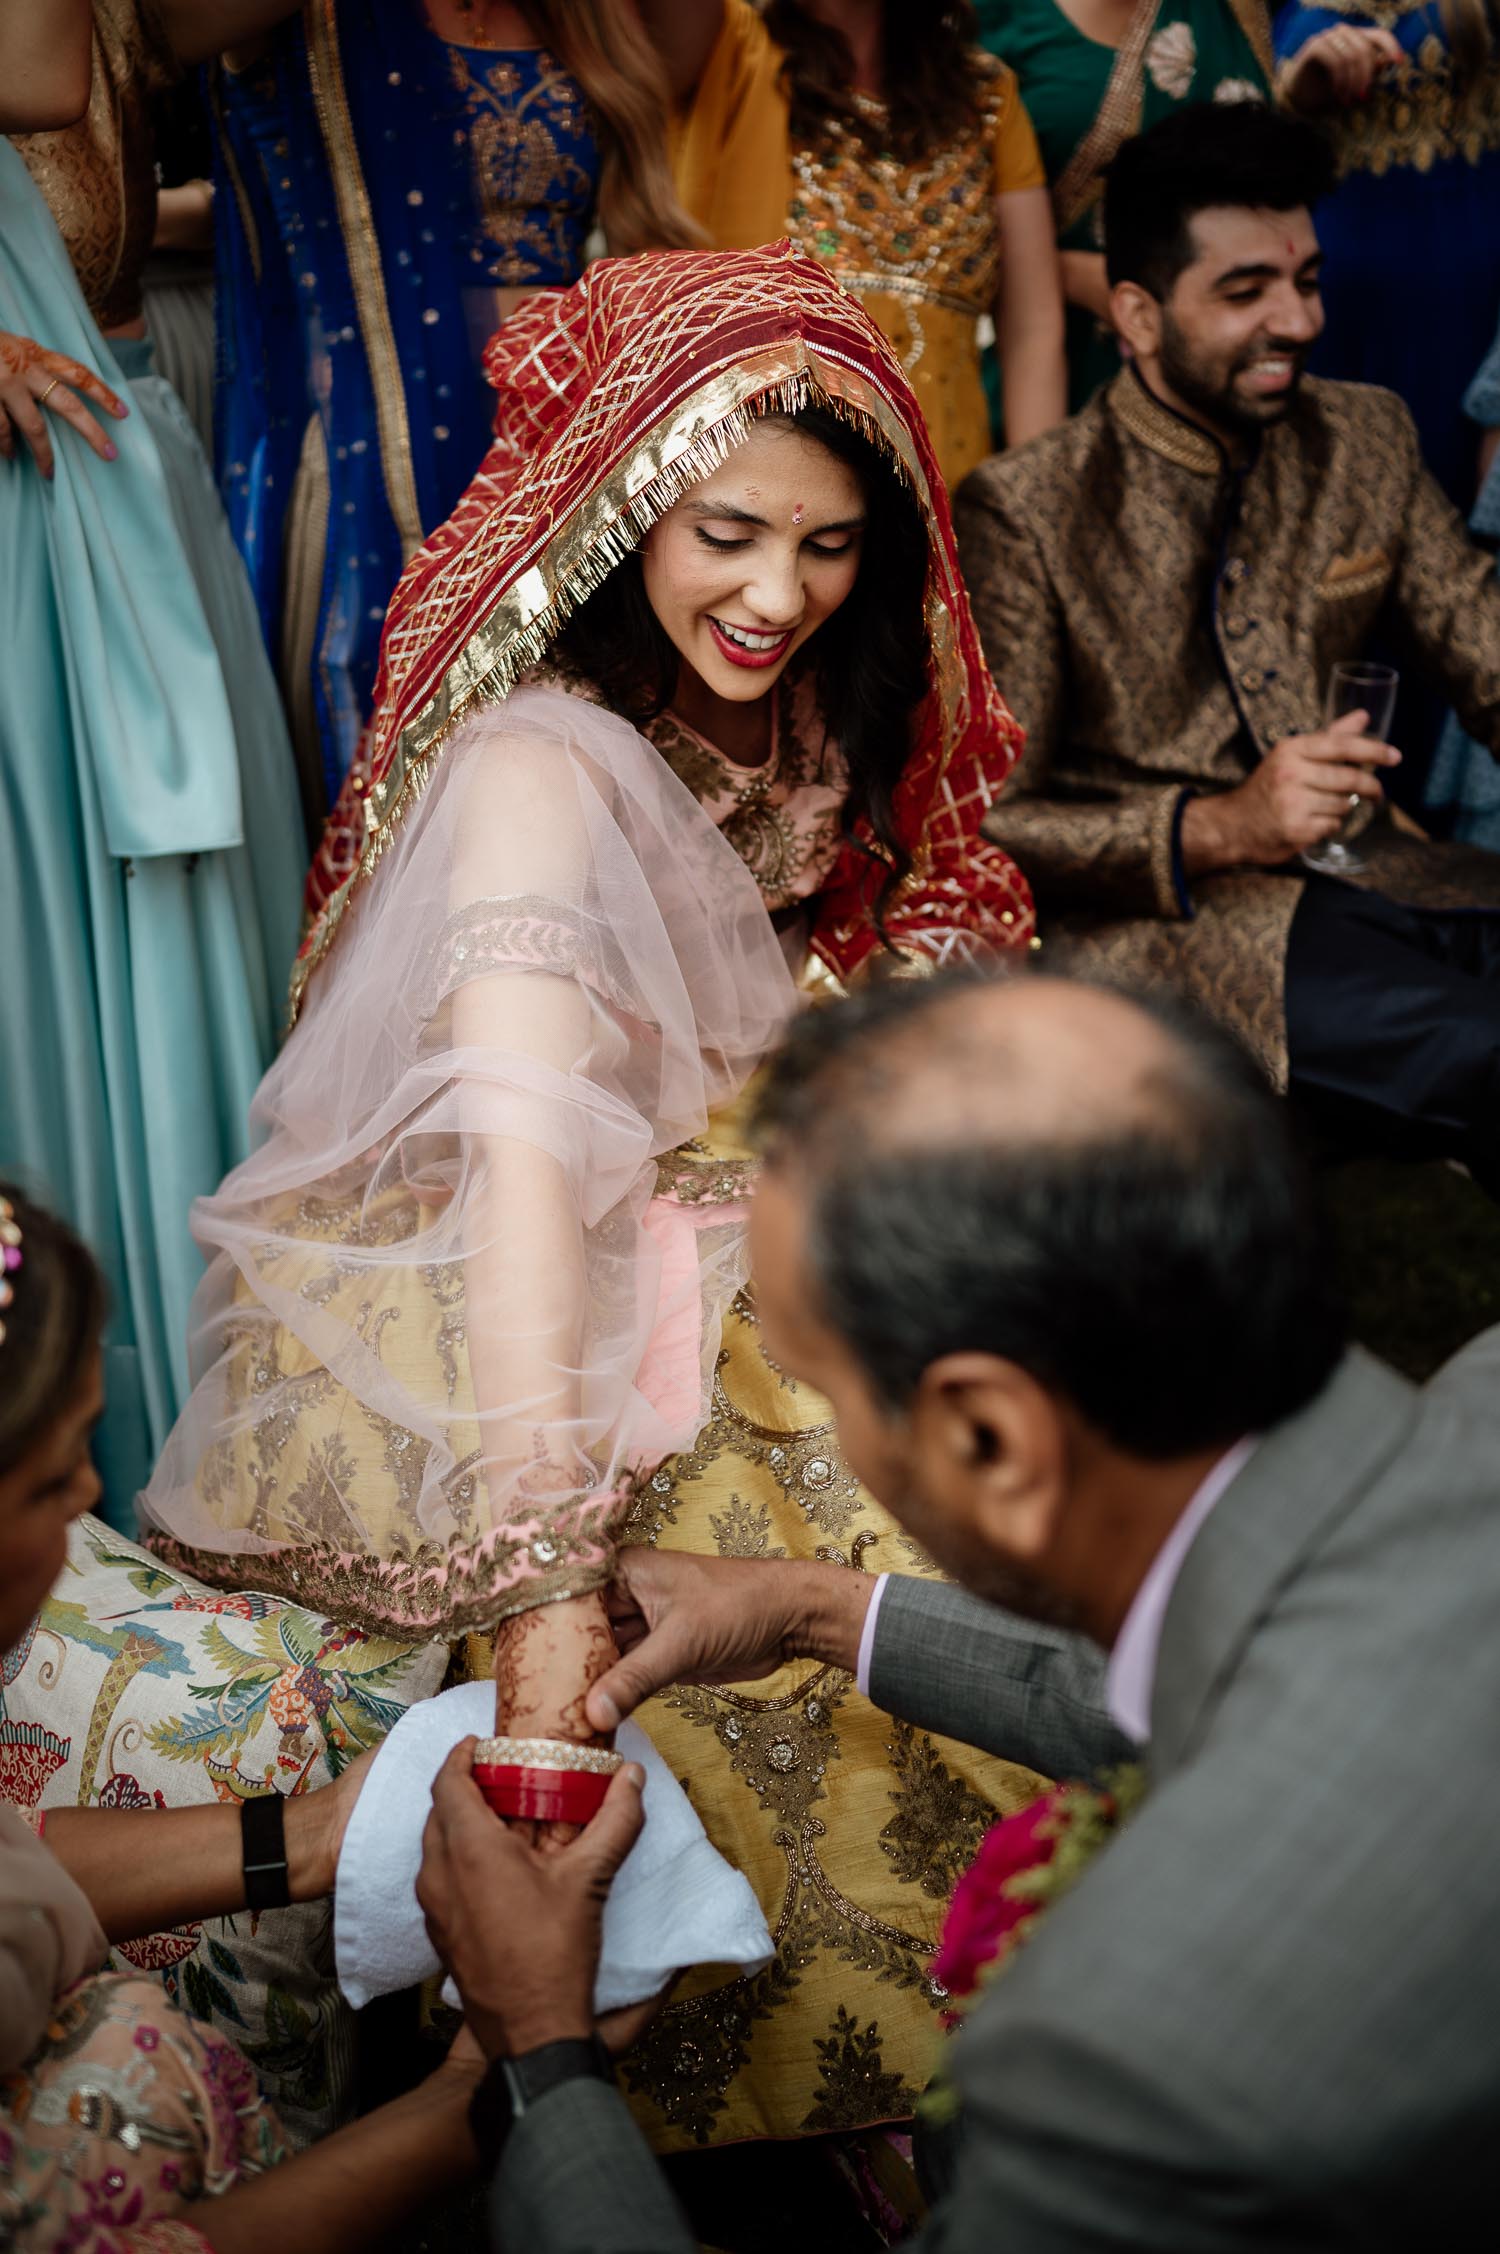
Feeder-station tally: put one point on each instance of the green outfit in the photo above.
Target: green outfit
(1199, 50)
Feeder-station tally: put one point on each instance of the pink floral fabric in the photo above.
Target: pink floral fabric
(126, 2116)
(988, 1912)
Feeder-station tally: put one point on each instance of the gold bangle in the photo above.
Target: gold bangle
(547, 1753)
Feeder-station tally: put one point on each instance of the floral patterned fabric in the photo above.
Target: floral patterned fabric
(127, 2112)
(139, 1688)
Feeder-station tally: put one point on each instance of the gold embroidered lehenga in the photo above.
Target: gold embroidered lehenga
(543, 954)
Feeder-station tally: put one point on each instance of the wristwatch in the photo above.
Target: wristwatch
(511, 2086)
(263, 1851)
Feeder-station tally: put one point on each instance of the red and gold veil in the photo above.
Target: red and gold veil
(613, 398)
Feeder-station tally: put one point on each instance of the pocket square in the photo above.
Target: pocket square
(1367, 568)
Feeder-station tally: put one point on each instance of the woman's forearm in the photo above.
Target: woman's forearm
(1030, 326)
(185, 218)
(526, 1321)
(356, 2188)
(525, 1309)
(1085, 282)
(1034, 380)
(146, 1869)
(46, 64)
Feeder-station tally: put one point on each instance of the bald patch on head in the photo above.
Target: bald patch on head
(1020, 1060)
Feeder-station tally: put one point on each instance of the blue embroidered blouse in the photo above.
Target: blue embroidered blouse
(376, 187)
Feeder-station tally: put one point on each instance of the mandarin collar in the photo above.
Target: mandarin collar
(1186, 444)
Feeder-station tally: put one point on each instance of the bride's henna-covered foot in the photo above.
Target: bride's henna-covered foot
(546, 1662)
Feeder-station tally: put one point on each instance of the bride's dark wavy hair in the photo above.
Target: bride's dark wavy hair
(872, 659)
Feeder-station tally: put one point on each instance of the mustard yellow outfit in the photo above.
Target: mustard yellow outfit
(918, 244)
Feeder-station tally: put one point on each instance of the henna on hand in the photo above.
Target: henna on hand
(33, 379)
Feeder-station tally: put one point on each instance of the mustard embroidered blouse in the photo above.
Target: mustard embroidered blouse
(918, 244)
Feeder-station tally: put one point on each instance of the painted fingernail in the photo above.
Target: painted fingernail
(111, 451)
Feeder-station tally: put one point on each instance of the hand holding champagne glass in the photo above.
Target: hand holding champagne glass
(1370, 692)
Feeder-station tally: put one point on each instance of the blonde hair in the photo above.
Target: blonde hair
(604, 46)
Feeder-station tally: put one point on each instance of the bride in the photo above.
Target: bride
(681, 710)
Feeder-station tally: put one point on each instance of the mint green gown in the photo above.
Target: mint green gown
(150, 844)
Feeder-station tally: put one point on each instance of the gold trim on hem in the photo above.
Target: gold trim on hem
(561, 1755)
(1116, 119)
(231, 166)
(363, 249)
(430, 1594)
(1254, 20)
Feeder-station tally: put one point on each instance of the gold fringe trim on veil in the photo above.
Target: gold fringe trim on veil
(692, 441)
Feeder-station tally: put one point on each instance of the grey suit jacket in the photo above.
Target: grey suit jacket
(1269, 2015)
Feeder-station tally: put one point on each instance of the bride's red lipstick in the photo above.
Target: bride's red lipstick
(737, 654)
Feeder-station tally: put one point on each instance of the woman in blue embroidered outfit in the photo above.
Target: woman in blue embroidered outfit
(692, 653)
(390, 177)
(1463, 789)
(1408, 92)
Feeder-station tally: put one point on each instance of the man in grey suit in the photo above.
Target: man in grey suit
(1052, 1259)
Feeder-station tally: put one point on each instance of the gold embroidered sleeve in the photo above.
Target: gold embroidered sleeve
(1085, 835)
(1446, 601)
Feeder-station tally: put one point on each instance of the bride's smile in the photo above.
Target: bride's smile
(746, 568)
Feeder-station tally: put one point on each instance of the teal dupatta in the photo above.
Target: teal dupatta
(149, 842)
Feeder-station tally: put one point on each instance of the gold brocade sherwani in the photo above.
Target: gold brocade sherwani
(1159, 620)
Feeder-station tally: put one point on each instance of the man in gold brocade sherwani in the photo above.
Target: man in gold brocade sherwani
(1163, 586)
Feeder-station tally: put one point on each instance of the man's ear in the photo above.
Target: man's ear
(992, 1449)
(1137, 317)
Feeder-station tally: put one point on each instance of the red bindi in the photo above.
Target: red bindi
(799, 512)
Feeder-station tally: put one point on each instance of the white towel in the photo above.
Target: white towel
(675, 1903)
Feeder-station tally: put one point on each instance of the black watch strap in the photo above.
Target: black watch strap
(511, 2086)
(263, 1849)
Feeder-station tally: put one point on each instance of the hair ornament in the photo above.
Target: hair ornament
(10, 1257)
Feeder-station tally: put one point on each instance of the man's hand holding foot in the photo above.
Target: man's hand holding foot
(682, 1619)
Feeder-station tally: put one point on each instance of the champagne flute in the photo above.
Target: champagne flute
(1370, 689)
